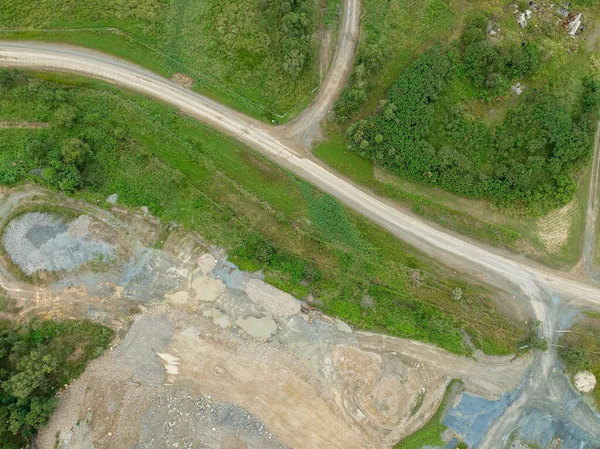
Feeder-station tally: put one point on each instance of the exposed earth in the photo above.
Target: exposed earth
(210, 356)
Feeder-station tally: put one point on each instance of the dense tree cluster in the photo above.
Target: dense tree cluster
(526, 164)
(368, 59)
(36, 360)
(64, 152)
(494, 66)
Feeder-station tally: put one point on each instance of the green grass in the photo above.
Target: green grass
(423, 24)
(234, 50)
(585, 336)
(473, 218)
(335, 154)
(430, 433)
(305, 242)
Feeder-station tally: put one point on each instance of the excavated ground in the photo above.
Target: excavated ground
(210, 356)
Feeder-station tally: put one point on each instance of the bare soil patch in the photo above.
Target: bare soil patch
(555, 228)
(183, 80)
(27, 125)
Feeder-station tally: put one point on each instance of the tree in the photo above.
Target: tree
(76, 152)
(35, 372)
(64, 116)
(575, 359)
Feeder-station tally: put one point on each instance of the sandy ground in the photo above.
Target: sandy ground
(187, 371)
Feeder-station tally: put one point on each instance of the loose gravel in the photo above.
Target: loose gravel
(39, 241)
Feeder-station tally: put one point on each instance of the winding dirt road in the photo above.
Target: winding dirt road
(454, 250)
(542, 285)
(305, 128)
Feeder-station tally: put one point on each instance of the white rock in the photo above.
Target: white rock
(585, 381)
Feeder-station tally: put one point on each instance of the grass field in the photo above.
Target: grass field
(243, 53)
(394, 34)
(582, 349)
(305, 241)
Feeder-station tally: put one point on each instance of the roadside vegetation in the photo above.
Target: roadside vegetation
(102, 141)
(36, 360)
(431, 433)
(579, 350)
(472, 121)
(258, 56)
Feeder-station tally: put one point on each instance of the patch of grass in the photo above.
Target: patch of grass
(581, 349)
(331, 16)
(336, 155)
(305, 241)
(430, 433)
(393, 48)
(238, 52)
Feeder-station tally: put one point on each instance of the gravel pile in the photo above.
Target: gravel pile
(190, 423)
(40, 241)
(278, 303)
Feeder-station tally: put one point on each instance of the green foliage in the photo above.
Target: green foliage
(256, 55)
(36, 360)
(580, 349)
(431, 433)
(575, 359)
(527, 164)
(532, 340)
(391, 33)
(304, 241)
(491, 66)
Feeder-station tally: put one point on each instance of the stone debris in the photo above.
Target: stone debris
(279, 303)
(585, 381)
(39, 241)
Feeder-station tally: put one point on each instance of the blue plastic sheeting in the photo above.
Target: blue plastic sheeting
(452, 444)
(472, 416)
(540, 428)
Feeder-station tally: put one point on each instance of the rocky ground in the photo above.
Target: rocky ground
(208, 356)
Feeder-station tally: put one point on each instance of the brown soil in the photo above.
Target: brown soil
(183, 80)
(31, 125)
(181, 364)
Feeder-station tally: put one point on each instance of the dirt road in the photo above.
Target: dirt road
(305, 128)
(456, 251)
(592, 209)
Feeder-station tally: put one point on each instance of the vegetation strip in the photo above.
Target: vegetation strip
(306, 242)
(259, 57)
(36, 361)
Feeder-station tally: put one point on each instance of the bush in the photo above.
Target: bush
(575, 359)
(35, 362)
(527, 164)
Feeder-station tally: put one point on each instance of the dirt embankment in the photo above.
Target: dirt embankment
(211, 355)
